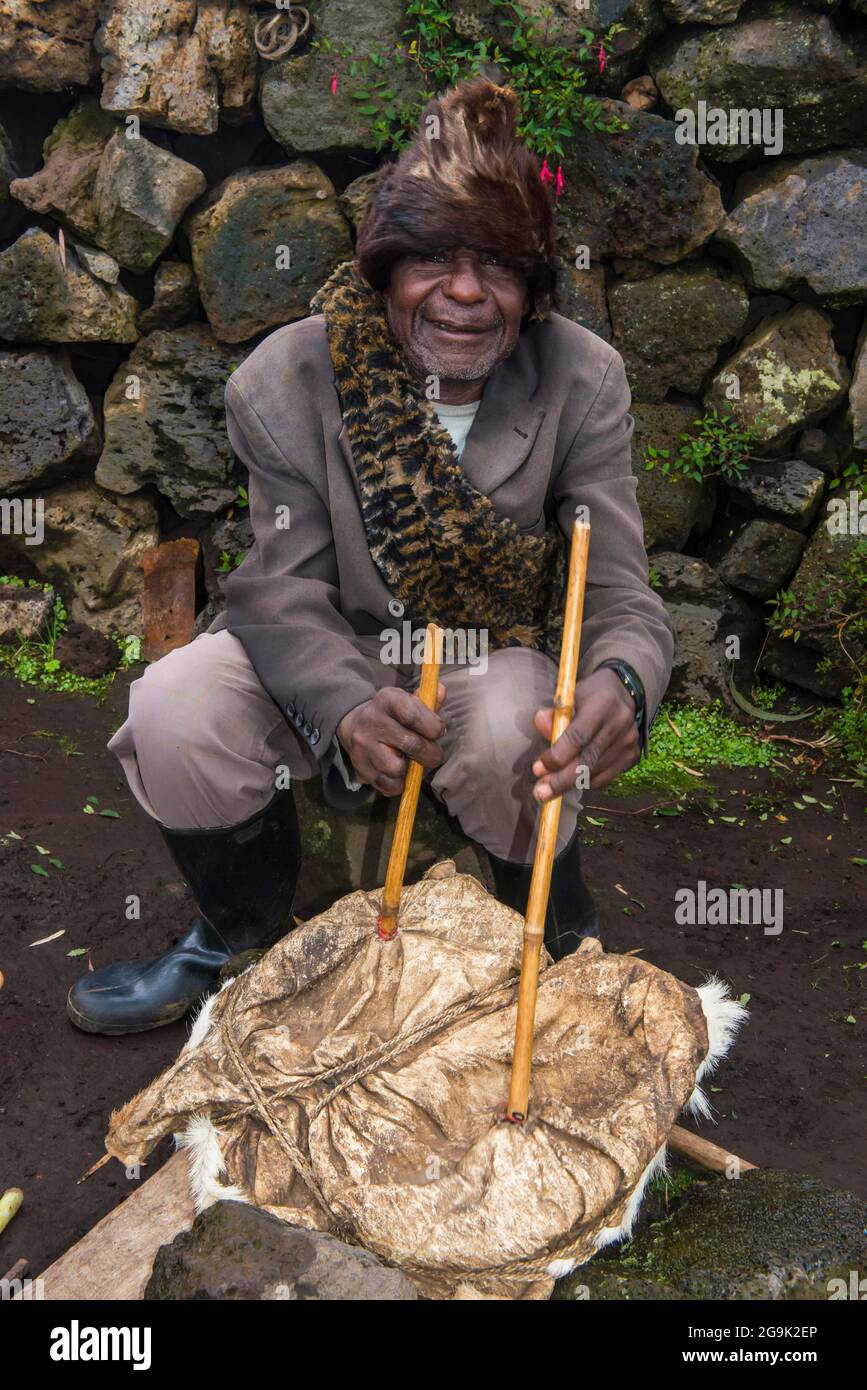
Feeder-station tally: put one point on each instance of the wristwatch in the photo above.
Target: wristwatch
(634, 685)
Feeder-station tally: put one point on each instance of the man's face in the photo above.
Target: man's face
(456, 315)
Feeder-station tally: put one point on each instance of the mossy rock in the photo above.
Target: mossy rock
(769, 1234)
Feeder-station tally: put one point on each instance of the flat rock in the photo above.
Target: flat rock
(669, 506)
(670, 327)
(165, 422)
(175, 301)
(761, 558)
(182, 65)
(234, 1251)
(92, 553)
(23, 612)
(635, 193)
(787, 492)
(354, 198)
(263, 241)
(47, 45)
(686, 579)
(39, 299)
(124, 194)
(768, 1235)
(780, 55)
(298, 105)
(790, 375)
(46, 421)
(799, 228)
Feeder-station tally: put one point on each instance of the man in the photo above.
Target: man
(417, 449)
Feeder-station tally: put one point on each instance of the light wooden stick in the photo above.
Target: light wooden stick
(549, 819)
(386, 926)
(702, 1151)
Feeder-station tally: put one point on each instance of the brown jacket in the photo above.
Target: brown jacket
(553, 431)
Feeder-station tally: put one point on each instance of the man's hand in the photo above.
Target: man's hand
(382, 734)
(602, 737)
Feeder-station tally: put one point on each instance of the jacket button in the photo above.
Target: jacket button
(308, 729)
(290, 710)
(315, 736)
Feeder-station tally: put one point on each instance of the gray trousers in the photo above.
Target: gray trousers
(204, 744)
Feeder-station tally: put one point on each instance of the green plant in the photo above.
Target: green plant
(686, 739)
(766, 696)
(229, 562)
(715, 446)
(548, 76)
(32, 661)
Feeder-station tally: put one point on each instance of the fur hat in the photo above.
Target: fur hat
(466, 179)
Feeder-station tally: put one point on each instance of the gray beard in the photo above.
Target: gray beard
(423, 363)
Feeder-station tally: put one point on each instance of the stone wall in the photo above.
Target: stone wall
(168, 196)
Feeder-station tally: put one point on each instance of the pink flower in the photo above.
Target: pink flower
(558, 186)
(334, 84)
(601, 56)
(545, 173)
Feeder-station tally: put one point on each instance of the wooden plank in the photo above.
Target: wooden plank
(708, 1155)
(114, 1259)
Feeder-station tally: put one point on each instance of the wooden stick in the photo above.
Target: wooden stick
(549, 819)
(709, 1155)
(386, 926)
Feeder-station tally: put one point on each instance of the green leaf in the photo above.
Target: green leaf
(744, 999)
(591, 820)
(115, 815)
(859, 861)
(58, 863)
(38, 869)
(79, 951)
(41, 849)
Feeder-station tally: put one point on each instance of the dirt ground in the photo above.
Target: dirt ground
(792, 1094)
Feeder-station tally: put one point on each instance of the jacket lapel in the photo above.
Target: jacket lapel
(505, 428)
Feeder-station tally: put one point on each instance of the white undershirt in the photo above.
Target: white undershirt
(457, 419)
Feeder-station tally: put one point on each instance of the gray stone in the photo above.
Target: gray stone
(772, 1235)
(39, 299)
(165, 421)
(247, 228)
(671, 326)
(701, 11)
(636, 192)
(799, 228)
(97, 263)
(786, 492)
(92, 553)
(46, 421)
(298, 105)
(582, 298)
(779, 56)
(699, 672)
(789, 372)
(175, 301)
(48, 47)
(181, 65)
(762, 556)
(827, 585)
(669, 506)
(23, 612)
(234, 1251)
(124, 195)
(685, 579)
(858, 395)
(141, 192)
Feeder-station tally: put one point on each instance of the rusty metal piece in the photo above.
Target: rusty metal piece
(168, 597)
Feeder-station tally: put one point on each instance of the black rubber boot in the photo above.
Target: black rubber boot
(571, 913)
(243, 880)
